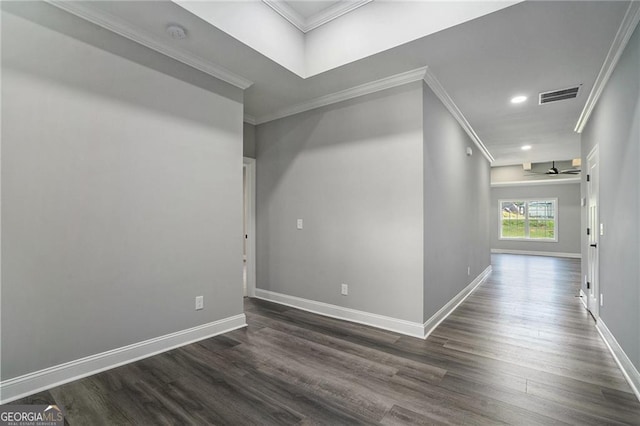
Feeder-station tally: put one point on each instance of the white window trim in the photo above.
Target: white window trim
(530, 240)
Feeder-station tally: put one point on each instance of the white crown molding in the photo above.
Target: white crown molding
(248, 118)
(444, 97)
(451, 306)
(333, 12)
(538, 253)
(414, 329)
(537, 182)
(629, 371)
(284, 10)
(627, 26)
(125, 29)
(343, 95)
(320, 18)
(57, 375)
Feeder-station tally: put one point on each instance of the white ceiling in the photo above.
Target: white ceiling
(307, 9)
(521, 49)
(307, 15)
(345, 32)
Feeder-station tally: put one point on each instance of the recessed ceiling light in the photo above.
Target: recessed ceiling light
(525, 147)
(518, 99)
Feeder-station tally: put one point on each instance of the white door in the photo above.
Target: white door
(249, 227)
(245, 235)
(593, 296)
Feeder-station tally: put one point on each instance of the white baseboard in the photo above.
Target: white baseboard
(583, 299)
(629, 370)
(408, 328)
(447, 309)
(38, 381)
(538, 253)
(413, 329)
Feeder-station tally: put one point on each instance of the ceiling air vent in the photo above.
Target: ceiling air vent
(559, 95)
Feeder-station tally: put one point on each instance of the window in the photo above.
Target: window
(529, 220)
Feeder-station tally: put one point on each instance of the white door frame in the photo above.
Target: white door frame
(250, 206)
(593, 223)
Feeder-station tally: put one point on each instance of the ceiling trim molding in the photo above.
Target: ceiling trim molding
(287, 13)
(627, 26)
(334, 12)
(320, 18)
(125, 29)
(248, 118)
(444, 97)
(343, 95)
(537, 182)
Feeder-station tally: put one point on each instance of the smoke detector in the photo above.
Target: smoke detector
(176, 32)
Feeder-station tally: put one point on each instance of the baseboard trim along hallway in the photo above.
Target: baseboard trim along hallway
(451, 306)
(537, 253)
(629, 371)
(37, 381)
(407, 328)
(519, 350)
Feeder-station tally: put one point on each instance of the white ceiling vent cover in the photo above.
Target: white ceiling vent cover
(559, 95)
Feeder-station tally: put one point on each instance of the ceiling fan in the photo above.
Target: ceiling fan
(553, 170)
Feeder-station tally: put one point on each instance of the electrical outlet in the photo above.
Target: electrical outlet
(199, 303)
(299, 224)
(469, 270)
(345, 290)
(601, 299)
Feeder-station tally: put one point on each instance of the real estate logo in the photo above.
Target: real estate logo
(31, 415)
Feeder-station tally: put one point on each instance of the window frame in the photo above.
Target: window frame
(527, 201)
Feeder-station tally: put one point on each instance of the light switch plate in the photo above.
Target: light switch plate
(344, 290)
(299, 224)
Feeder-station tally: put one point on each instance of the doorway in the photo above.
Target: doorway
(593, 284)
(249, 227)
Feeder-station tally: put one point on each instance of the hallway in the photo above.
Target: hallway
(521, 350)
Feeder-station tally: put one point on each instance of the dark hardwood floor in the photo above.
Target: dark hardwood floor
(521, 350)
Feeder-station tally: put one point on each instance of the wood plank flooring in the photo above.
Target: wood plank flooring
(521, 350)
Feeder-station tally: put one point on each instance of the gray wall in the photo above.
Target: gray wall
(353, 172)
(249, 140)
(615, 127)
(456, 207)
(568, 196)
(391, 204)
(121, 194)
